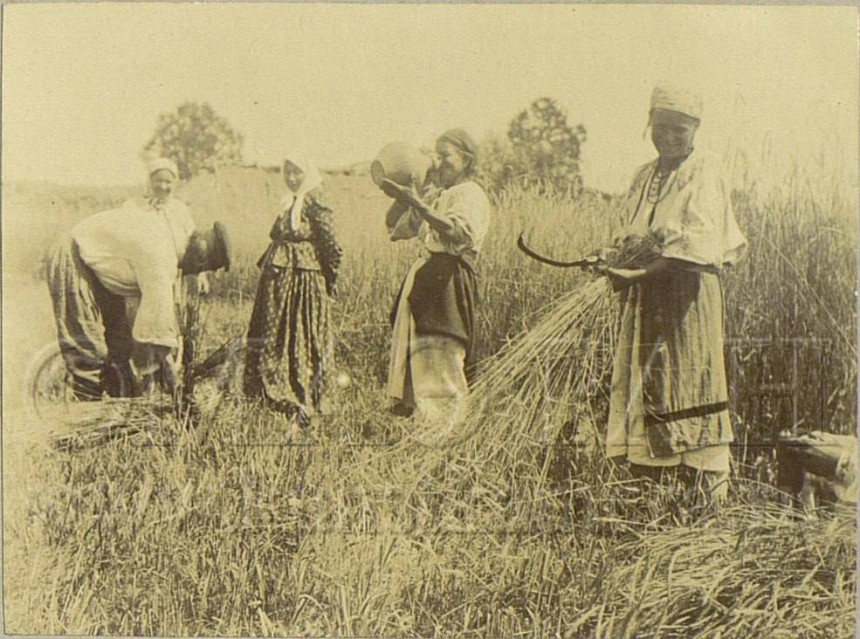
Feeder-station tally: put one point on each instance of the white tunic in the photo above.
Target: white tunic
(135, 251)
(466, 206)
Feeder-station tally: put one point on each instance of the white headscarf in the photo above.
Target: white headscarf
(312, 179)
(676, 98)
(157, 164)
(153, 166)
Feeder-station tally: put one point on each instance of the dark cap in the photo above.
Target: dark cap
(207, 251)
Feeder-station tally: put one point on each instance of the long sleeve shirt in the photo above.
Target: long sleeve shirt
(135, 251)
(466, 206)
(692, 215)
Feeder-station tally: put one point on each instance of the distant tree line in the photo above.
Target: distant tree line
(541, 149)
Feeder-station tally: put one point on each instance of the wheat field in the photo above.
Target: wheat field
(246, 527)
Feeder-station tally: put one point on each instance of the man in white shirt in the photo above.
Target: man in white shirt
(113, 285)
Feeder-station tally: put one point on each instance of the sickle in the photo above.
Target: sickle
(521, 244)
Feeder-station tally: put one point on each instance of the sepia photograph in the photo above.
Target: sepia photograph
(429, 320)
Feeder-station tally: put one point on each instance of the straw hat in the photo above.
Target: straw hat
(207, 251)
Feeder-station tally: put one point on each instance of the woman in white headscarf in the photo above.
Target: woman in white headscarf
(289, 338)
(669, 402)
(434, 315)
(113, 285)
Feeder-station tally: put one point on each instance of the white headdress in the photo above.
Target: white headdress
(675, 98)
(157, 164)
(312, 179)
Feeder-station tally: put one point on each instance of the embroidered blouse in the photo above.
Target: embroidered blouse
(690, 213)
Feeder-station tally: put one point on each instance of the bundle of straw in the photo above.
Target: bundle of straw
(524, 417)
(535, 386)
(529, 388)
(98, 423)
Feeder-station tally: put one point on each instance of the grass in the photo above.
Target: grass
(246, 527)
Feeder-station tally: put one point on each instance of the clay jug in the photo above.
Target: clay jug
(400, 162)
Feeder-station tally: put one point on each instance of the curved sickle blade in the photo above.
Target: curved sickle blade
(521, 244)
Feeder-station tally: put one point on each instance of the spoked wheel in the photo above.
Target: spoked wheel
(52, 398)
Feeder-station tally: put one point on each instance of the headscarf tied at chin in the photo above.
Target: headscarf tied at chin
(158, 164)
(679, 99)
(312, 179)
(464, 143)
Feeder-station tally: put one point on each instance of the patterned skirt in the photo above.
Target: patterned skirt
(93, 328)
(289, 339)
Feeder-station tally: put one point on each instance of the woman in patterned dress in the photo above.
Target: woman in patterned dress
(669, 402)
(434, 316)
(289, 337)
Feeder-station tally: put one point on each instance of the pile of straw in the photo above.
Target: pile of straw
(81, 425)
(760, 573)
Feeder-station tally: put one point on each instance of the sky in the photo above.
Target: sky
(83, 85)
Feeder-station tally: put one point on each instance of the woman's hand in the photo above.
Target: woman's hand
(598, 261)
(203, 286)
(622, 278)
(406, 194)
(659, 267)
(409, 196)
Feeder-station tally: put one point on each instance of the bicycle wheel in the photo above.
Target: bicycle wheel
(51, 396)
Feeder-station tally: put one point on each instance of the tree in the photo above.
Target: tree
(545, 148)
(196, 139)
(496, 162)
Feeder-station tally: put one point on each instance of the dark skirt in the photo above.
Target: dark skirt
(681, 352)
(289, 339)
(443, 299)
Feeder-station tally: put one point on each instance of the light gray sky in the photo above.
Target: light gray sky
(83, 85)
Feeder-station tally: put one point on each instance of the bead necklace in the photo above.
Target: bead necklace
(656, 184)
